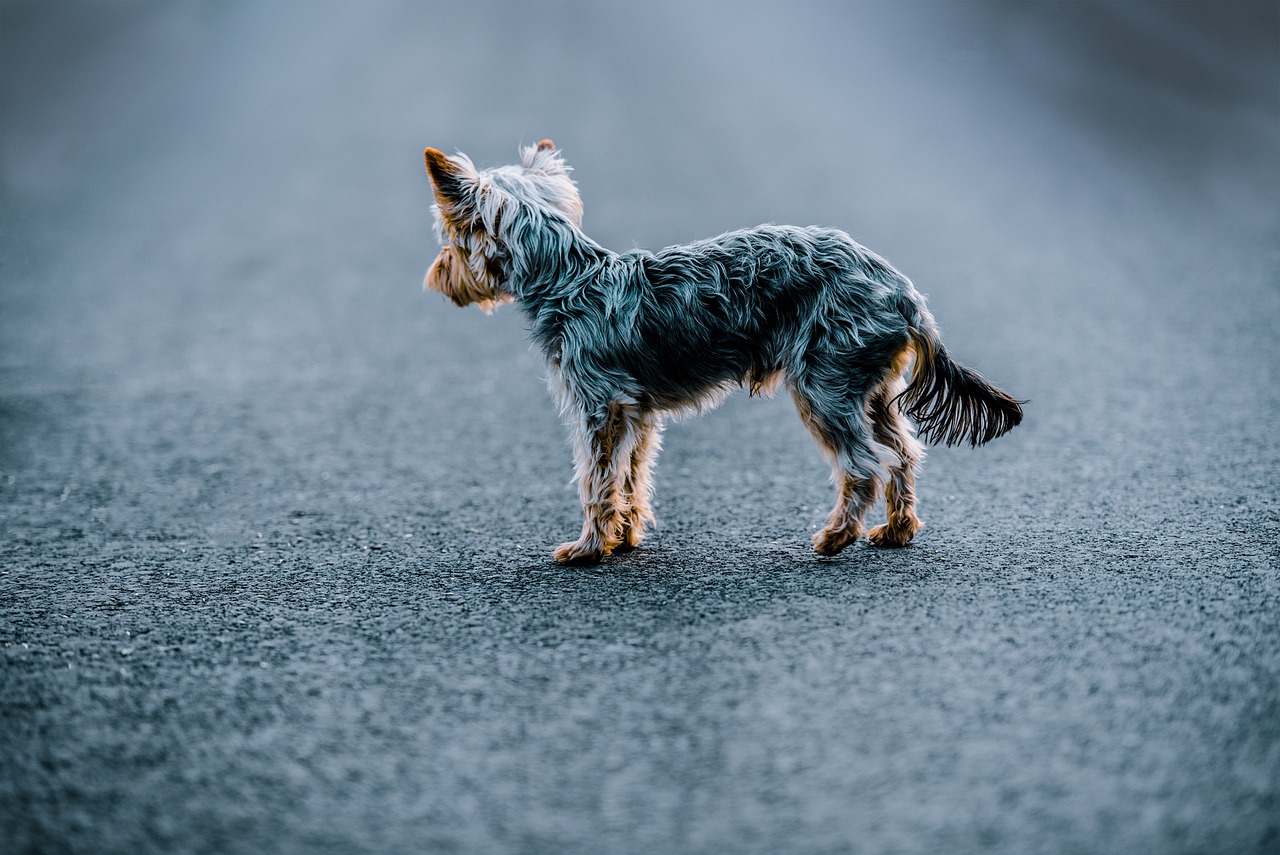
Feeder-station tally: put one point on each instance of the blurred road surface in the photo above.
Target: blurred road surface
(274, 562)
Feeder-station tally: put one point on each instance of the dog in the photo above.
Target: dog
(634, 338)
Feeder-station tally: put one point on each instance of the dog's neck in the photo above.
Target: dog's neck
(549, 271)
(551, 263)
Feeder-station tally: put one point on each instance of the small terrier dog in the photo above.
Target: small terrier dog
(635, 337)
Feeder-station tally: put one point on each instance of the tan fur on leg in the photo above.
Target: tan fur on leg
(844, 526)
(892, 430)
(597, 454)
(856, 490)
(637, 483)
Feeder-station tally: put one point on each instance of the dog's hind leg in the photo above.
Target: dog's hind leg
(842, 433)
(600, 446)
(891, 429)
(645, 440)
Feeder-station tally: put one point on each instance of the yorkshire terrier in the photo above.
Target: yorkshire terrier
(633, 338)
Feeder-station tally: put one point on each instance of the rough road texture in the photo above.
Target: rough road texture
(274, 563)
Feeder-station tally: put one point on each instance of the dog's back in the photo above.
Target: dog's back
(747, 305)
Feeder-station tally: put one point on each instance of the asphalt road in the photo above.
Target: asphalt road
(274, 569)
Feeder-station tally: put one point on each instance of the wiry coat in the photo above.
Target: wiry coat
(635, 336)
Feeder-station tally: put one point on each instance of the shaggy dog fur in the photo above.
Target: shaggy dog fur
(633, 338)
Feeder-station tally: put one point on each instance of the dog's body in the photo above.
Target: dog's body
(632, 338)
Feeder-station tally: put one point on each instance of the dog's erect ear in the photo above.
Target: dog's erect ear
(543, 157)
(452, 179)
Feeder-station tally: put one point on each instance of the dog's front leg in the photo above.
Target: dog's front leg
(598, 445)
(644, 439)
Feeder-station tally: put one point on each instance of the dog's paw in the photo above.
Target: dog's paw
(632, 537)
(886, 535)
(578, 552)
(830, 541)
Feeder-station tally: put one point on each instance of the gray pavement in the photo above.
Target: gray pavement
(275, 525)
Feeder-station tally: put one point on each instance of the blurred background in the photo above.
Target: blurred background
(232, 423)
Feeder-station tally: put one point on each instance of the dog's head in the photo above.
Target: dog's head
(482, 215)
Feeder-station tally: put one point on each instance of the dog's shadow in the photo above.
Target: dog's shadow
(684, 582)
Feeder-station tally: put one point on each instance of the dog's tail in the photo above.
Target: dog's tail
(949, 403)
